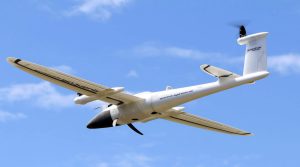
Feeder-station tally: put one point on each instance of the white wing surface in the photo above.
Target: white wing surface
(218, 72)
(198, 122)
(81, 86)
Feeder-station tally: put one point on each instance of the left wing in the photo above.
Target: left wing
(79, 85)
(198, 122)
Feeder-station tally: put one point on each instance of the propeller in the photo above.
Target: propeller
(242, 31)
(115, 122)
(241, 26)
(134, 129)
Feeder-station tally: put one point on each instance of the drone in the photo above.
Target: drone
(126, 109)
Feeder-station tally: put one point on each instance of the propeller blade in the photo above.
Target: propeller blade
(242, 31)
(134, 129)
(238, 23)
(115, 122)
(241, 26)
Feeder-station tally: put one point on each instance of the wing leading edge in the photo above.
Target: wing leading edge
(198, 122)
(73, 83)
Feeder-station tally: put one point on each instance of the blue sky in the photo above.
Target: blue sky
(145, 46)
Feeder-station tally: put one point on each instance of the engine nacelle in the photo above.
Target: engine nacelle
(84, 99)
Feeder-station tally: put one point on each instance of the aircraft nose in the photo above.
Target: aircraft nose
(102, 120)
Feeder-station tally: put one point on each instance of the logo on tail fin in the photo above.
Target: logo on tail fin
(254, 49)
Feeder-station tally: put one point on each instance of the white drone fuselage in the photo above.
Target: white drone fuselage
(158, 104)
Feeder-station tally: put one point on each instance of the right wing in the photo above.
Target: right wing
(81, 86)
(195, 121)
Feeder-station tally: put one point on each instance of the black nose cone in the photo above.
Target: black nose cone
(102, 120)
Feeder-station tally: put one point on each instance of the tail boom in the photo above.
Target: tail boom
(163, 100)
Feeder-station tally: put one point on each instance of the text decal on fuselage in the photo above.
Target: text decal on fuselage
(177, 94)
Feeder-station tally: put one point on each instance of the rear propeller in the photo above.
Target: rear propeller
(242, 31)
(241, 25)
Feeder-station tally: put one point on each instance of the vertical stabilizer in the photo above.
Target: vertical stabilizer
(256, 53)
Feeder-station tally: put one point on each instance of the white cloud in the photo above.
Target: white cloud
(102, 164)
(127, 160)
(42, 94)
(132, 74)
(289, 63)
(98, 9)
(283, 64)
(10, 116)
(156, 50)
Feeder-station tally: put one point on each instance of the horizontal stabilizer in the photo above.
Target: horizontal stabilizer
(218, 72)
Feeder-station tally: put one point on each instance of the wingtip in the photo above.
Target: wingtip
(248, 134)
(204, 66)
(12, 60)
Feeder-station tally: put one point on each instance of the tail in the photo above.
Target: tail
(256, 52)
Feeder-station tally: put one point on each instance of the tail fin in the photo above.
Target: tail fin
(256, 53)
